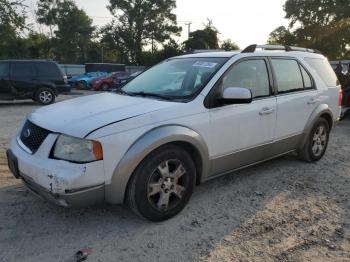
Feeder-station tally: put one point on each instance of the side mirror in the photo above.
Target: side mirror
(236, 95)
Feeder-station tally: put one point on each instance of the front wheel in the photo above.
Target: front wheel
(162, 184)
(45, 96)
(317, 142)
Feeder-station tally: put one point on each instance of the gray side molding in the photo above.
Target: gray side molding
(147, 143)
(322, 109)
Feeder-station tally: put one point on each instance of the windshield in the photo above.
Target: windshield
(177, 78)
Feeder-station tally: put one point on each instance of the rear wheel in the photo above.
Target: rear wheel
(82, 85)
(45, 96)
(162, 184)
(317, 142)
(104, 87)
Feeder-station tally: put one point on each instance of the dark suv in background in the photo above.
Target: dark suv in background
(39, 80)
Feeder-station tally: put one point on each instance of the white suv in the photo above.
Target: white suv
(184, 121)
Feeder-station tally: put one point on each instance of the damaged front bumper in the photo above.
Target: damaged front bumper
(78, 198)
(61, 182)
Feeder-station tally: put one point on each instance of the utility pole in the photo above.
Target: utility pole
(189, 28)
(102, 54)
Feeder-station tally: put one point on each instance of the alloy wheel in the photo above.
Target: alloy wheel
(167, 185)
(319, 141)
(45, 97)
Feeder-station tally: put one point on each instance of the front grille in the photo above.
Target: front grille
(32, 136)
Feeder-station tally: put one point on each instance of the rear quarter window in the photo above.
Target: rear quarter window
(48, 70)
(324, 70)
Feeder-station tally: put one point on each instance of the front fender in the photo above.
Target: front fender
(143, 146)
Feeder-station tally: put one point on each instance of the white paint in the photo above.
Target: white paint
(237, 93)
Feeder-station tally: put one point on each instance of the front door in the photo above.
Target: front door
(240, 133)
(5, 85)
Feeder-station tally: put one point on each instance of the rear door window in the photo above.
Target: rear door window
(22, 70)
(288, 75)
(4, 70)
(48, 70)
(324, 70)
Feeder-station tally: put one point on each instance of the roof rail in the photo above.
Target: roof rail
(252, 48)
(198, 51)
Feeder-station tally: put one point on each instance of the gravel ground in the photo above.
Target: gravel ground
(282, 210)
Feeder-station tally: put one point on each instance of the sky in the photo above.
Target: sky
(245, 22)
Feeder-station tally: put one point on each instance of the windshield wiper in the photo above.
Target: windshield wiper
(143, 94)
(121, 91)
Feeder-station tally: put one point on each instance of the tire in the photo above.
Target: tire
(104, 87)
(317, 142)
(45, 96)
(82, 85)
(155, 192)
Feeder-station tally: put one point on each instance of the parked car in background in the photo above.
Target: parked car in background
(109, 81)
(184, 121)
(124, 80)
(39, 80)
(84, 81)
(342, 70)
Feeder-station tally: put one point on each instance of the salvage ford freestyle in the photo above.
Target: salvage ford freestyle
(182, 122)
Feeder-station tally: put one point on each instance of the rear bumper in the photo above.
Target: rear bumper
(62, 89)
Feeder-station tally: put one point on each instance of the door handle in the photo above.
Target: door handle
(313, 101)
(266, 111)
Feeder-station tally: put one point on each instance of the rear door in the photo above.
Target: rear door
(297, 97)
(5, 85)
(23, 78)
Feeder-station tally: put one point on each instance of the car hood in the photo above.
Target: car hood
(81, 116)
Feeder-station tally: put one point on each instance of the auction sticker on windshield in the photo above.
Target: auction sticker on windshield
(204, 64)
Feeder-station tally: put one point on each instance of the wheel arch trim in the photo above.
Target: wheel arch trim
(143, 146)
(46, 85)
(321, 110)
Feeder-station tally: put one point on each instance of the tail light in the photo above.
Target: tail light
(340, 97)
(65, 79)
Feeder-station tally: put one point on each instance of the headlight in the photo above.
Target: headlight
(77, 150)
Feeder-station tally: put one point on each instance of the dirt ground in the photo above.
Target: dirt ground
(282, 210)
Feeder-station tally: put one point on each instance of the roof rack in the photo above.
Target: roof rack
(252, 48)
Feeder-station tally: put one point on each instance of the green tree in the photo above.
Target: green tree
(318, 24)
(229, 45)
(47, 12)
(12, 13)
(38, 46)
(170, 49)
(282, 36)
(140, 23)
(12, 25)
(206, 38)
(71, 39)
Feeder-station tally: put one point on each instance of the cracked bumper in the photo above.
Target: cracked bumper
(79, 198)
(61, 182)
